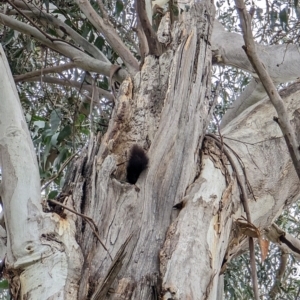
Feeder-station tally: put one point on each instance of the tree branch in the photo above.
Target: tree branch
(21, 197)
(284, 240)
(283, 120)
(56, 69)
(143, 44)
(31, 11)
(253, 93)
(155, 48)
(275, 290)
(279, 60)
(110, 35)
(81, 59)
(72, 83)
(89, 220)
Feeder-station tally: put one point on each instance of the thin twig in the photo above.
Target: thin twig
(89, 220)
(30, 21)
(238, 177)
(252, 144)
(56, 69)
(243, 169)
(42, 17)
(253, 268)
(60, 170)
(275, 290)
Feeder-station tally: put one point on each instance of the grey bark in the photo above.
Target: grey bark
(176, 254)
(169, 97)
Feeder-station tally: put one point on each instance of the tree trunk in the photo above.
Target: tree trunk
(42, 258)
(165, 109)
(160, 252)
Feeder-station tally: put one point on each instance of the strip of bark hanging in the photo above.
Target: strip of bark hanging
(155, 48)
(244, 200)
(282, 120)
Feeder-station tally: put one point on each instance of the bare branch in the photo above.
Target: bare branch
(144, 49)
(127, 34)
(284, 240)
(253, 93)
(282, 120)
(244, 200)
(110, 35)
(278, 59)
(60, 170)
(103, 11)
(81, 59)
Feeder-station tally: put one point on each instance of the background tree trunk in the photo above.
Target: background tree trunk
(38, 257)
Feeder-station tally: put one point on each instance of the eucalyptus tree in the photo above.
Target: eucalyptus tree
(172, 233)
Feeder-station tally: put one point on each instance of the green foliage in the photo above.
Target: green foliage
(59, 122)
(119, 8)
(4, 290)
(276, 22)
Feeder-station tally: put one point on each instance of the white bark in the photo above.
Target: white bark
(253, 93)
(40, 247)
(167, 99)
(202, 234)
(279, 61)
